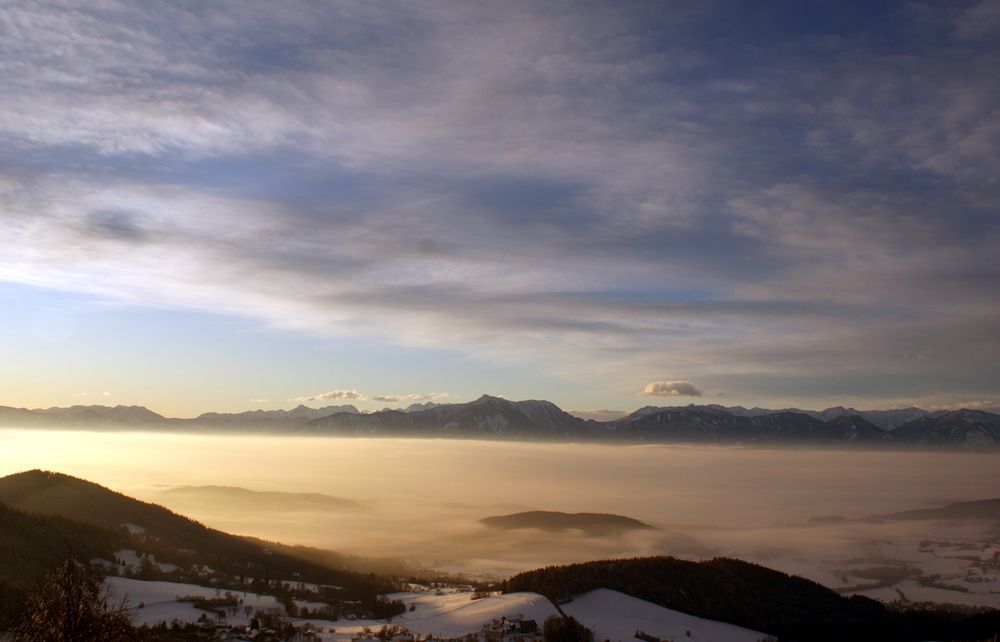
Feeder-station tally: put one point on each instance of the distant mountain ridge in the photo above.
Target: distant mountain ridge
(491, 417)
(485, 417)
(270, 418)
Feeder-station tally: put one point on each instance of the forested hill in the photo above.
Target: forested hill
(754, 597)
(46, 515)
(32, 545)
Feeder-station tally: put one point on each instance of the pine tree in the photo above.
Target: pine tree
(70, 606)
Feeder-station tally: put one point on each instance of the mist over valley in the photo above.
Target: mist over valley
(422, 501)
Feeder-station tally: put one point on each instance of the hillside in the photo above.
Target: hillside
(615, 616)
(171, 537)
(593, 524)
(753, 597)
(31, 545)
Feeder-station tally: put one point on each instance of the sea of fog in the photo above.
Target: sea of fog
(420, 500)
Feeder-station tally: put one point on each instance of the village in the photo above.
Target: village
(168, 602)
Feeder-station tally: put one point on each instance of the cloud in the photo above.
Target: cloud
(671, 389)
(114, 225)
(573, 192)
(332, 394)
(105, 394)
(387, 398)
(255, 400)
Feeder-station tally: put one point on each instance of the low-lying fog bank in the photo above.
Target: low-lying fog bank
(422, 500)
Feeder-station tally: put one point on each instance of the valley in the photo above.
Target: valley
(889, 526)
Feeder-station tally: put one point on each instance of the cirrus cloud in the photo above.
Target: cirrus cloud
(576, 189)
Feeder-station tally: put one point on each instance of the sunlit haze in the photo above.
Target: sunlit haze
(420, 500)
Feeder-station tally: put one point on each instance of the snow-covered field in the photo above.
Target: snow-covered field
(966, 570)
(450, 615)
(911, 591)
(159, 601)
(615, 616)
(456, 614)
(443, 614)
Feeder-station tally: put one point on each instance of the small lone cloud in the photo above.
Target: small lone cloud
(598, 414)
(333, 394)
(258, 401)
(671, 389)
(105, 394)
(386, 398)
(80, 394)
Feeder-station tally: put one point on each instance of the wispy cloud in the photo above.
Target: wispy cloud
(575, 189)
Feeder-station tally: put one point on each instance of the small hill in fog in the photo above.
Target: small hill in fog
(984, 509)
(593, 524)
(272, 501)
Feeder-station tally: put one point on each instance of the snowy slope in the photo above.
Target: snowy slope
(159, 600)
(615, 616)
(610, 614)
(457, 614)
(451, 615)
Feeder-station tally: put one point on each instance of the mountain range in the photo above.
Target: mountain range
(496, 418)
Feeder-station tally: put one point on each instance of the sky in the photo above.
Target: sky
(238, 205)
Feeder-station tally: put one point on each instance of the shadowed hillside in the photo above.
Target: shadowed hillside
(754, 597)
(171, 537)
(31, 545)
